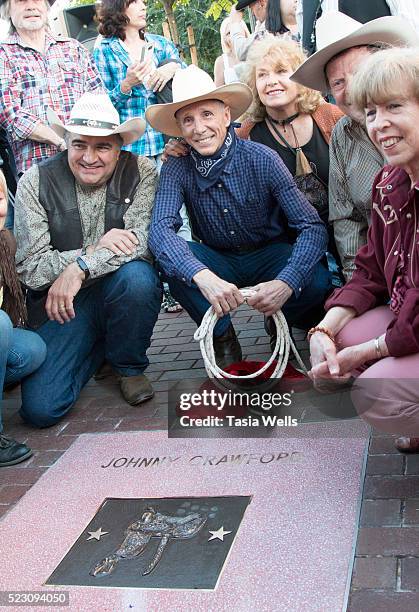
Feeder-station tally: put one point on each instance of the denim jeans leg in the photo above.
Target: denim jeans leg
(6, 334)
(265, 264)
(307, 310)
(131, 299)
(75, 351)
(10, 217)
(26, 354)
(190, 297)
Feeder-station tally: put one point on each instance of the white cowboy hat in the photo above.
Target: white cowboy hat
(336, 32)
(192, 85)
(94, 115)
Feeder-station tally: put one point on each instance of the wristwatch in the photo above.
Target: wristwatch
(83, 266)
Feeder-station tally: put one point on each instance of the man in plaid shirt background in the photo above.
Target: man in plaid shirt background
(39, 71)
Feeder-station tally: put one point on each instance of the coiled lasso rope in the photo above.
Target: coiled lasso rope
(204, 335)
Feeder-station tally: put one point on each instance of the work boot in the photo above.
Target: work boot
(136, 389)
(227, 348)
(12, 452)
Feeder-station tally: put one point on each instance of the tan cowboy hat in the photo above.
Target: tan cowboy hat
(192, 85)
(94, 115)
(336, 32)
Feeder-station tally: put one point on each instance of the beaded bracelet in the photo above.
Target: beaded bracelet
(323, 330)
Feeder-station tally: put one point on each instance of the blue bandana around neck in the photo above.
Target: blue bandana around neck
(209, 168)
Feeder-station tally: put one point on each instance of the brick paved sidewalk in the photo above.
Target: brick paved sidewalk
(386, 572)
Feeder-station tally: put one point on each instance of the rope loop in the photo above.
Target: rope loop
(204, 335)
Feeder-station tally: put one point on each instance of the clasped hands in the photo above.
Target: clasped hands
(225, 297)
(330, 364)
(145, 72)
(61, 294)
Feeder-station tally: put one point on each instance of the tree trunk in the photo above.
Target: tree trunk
(168, 9)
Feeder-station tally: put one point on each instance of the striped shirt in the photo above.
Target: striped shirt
(354, 164)
(32, 81)
(112, 60)
(244, 208)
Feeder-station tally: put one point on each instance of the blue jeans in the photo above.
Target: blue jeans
(114, 319)
(10, 217)
(247, 270)
(21, 353)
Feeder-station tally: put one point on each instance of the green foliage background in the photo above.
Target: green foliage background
(205, 16)
(206, 30)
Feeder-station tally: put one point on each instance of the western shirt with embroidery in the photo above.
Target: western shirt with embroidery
(393, 235)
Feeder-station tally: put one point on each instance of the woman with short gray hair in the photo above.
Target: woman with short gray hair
(371, 329)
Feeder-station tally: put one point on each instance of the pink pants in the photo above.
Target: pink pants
(386, 394)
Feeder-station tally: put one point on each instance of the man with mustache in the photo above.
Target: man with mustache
(81, 227)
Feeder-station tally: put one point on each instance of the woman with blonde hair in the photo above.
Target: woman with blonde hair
(371, 329)
(225, 65)
(291, 119)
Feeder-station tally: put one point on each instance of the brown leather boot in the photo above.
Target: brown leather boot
(227, 348)
(136, 389)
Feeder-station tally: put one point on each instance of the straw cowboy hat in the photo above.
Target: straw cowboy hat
(336, 32)
(94, 115)
(193, 85)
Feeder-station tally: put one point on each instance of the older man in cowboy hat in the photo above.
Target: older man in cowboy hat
(38, 70)
(354, 160)
(239, 197)
(81, 226)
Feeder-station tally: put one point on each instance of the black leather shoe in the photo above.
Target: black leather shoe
(270, 329)
(12, 452)
(227, 348)
(407, 445)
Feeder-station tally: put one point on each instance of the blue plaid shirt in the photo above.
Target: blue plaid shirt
(112, 61)
(244, 208)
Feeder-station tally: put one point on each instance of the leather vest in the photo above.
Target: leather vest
(57, 194)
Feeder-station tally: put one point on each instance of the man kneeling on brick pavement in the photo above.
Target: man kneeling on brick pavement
(239, 196)
(82, 222)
